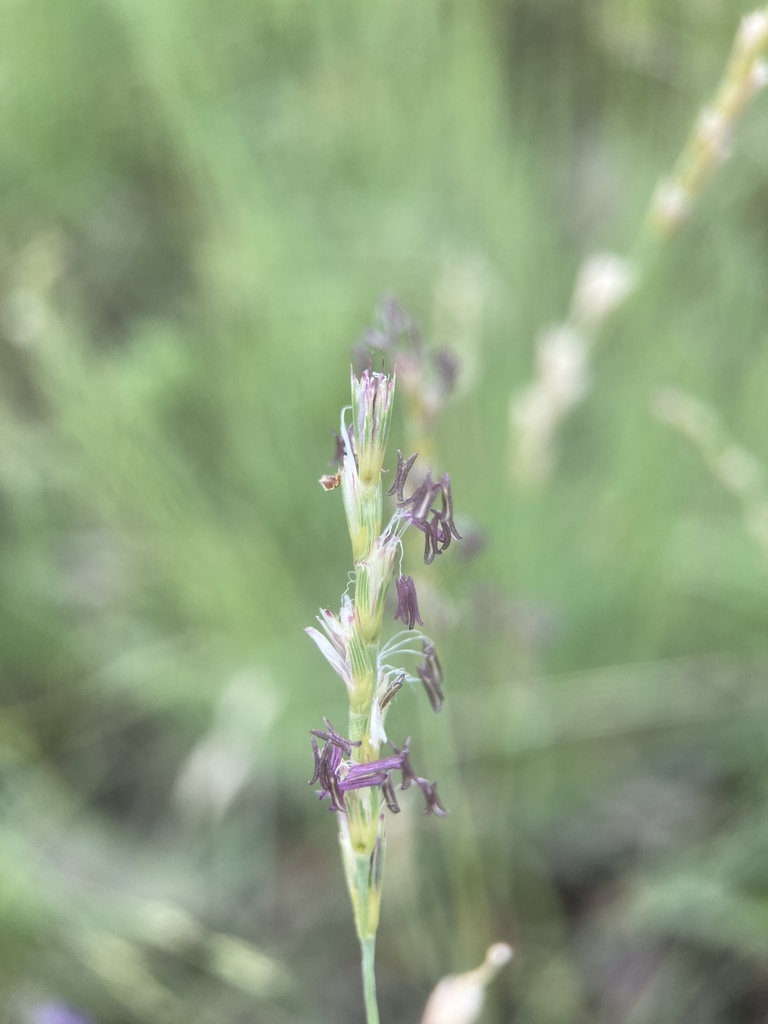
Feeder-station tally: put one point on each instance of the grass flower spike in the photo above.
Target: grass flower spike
(372, 397)
(564, 352)
(356, 778)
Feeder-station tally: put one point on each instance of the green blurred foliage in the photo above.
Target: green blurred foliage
(201, 204)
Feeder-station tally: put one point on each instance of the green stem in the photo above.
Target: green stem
(368, 951)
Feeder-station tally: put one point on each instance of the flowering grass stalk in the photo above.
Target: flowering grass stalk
(351, 770)
(606, 280)
(429, 376)
(709, 144)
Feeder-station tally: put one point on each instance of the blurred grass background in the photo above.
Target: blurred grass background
(201, 204)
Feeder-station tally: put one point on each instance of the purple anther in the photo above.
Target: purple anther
(446, 513)
(431, 675)
(328, 763)
(418, 506)
(388, 792)
(429, 789)
(407, 602)
(434, 805)
(391, 690)
(338, 776)
(401, 474)
(418, 509)
(341, 449)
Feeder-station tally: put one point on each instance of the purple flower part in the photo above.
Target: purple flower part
(374, 395)
(328, 763)
(316, 756)
(418, 506)
(381, 764)
(437, 525)
(341, 449)
(407, 602)
(440, 528)
(363, 780)
(431, 675)
(408, 775)
(391, 690)
(429, 789)
(401, 473)
(433, 539)
(446, 513)
(337, 776)
(331, 736)
(373, 773)
(388, 792)
(57, 1013)
(434, 804)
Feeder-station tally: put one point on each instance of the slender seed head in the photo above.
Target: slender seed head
(353, 775)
